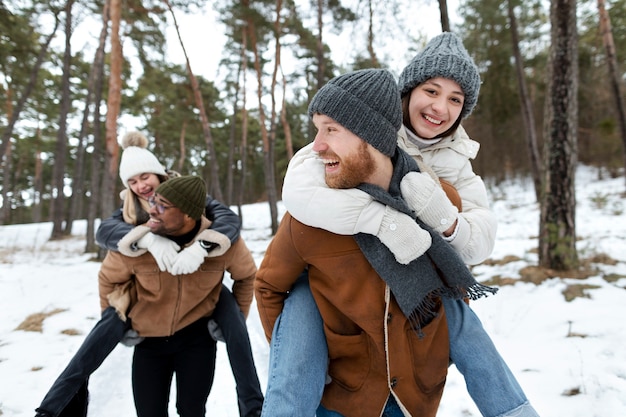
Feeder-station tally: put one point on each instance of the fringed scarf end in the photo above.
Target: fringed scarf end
(479, 290)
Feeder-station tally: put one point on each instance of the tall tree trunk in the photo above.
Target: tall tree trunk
(78, 179)
(57, 207)
(445, 18)
(230, 159)
(557, 234)
(38, 180)
(14, 116)
(285, 122)
(7, 166)
(19, 106)
(370, 36)
(321, 63)
(215, 187)
(614, 75)
(526, 105)
(244, 120)
(112, 148)
(182, 146)
(97, 156)
(272, 193)
(5, 213)
(268, 167)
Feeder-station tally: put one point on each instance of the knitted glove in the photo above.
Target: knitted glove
(162, 249)
(215, 331)
(188, 260)
(208, 243)
(131, 338)
(428, 200)
(403, 236)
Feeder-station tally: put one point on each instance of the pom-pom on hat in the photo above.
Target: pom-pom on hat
(444, 56)
(136, 159)
(188, 193)
(367, 103)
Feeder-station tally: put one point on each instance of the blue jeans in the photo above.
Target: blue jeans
(298, 357)
(391, 410)
(488, 379)
(294, 366)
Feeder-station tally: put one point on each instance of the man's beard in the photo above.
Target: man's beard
(355, 169)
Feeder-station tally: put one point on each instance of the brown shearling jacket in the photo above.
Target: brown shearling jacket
(372, 348)
(166, 303)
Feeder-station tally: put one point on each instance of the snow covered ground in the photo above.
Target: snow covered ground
(569, 356)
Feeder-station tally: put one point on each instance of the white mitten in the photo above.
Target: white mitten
(428, 200)
(162, 249)
(215, 331)
(188, 260)
(403, 236)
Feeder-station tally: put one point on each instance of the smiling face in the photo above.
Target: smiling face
(347, 159)
(144, 184)
(167, 219)
(434, 106)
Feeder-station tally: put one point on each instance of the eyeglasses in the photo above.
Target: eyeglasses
(160, 207)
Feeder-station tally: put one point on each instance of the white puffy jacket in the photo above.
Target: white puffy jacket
(307, 197)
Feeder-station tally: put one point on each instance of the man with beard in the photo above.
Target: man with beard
(170, 312)
(383, 320)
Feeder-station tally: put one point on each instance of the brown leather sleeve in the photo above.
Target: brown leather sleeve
(455, 198)
(452, 194)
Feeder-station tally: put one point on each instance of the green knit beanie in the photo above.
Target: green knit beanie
(366, 102)
(444, 56)
(188, 193)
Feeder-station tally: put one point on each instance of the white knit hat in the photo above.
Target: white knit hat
(136, 159)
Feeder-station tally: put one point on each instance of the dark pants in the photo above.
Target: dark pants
(70, 388)
(190, 354)
(68, 395)
(233, 325)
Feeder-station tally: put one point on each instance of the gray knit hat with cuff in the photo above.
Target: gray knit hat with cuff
(367, 103)
(444, 56)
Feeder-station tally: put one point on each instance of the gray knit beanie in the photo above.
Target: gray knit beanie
(367, 103)
(188, 193)
(444, 56)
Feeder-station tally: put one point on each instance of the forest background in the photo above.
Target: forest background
(64, 108)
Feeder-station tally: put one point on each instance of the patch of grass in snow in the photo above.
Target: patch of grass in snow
(589, 267)
(573, 291)
(34, 322)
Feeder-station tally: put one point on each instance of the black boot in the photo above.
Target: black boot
(77, 407)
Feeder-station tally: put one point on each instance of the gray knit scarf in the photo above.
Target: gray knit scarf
(439, 272)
